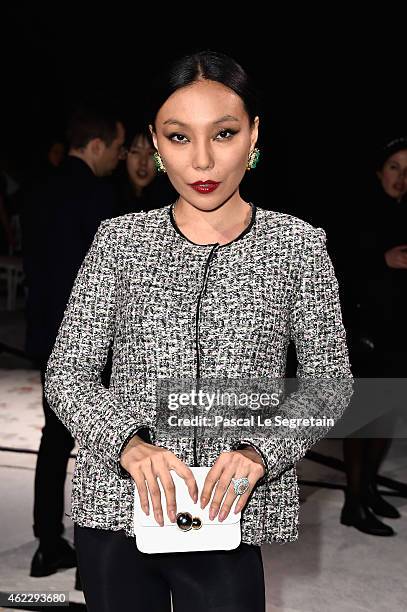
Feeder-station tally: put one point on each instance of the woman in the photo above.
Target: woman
(379, 332)
(207, 286)
(140, 189)
(55, 153)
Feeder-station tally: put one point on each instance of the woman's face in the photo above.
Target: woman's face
(393, 175)
(140, 163)
(203, 133)
(56, 154)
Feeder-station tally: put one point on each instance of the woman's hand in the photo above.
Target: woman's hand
(234, 464)
(145, 462)
(397, 257)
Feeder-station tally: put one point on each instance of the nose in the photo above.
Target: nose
(202, 156)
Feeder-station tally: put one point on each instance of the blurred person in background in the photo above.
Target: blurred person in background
(377, 290)
(140, 188)
(56, 153)
(60, 217)
(49, 157)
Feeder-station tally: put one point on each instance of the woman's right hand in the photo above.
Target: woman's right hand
(397, 257)
(145, 462)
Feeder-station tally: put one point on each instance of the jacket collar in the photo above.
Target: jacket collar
(243, 233)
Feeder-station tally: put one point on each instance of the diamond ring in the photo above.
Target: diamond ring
(240, 485)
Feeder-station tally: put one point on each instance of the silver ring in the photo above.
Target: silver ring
(240, 485)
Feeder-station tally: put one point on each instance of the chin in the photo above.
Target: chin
(396, 195)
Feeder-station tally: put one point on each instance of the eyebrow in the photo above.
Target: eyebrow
(224, 118)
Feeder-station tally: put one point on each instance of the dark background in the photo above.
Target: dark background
(333, 87)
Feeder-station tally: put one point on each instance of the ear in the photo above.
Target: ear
(153, 135)
(254, 133)
(96, 147)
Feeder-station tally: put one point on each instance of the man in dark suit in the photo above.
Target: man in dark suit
(59, 220)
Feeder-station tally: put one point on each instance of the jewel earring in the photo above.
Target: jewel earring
(253, 159)
(159, 162)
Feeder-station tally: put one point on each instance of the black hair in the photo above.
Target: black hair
(207, 64)
(87, 123)
(137, 129)
(387, 148)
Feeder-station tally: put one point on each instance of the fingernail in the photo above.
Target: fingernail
(195, 497)
(222, 515)
(203, 502)
(172, 516)
(211, 514)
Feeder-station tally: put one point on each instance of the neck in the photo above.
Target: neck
(82, 155)
(222, 224)
(136, 189)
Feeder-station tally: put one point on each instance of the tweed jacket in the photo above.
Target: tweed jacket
(168, 308)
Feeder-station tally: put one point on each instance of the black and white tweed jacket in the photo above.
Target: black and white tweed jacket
(171, 308)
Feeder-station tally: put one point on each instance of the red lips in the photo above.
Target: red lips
(204, 183)
(204, 186)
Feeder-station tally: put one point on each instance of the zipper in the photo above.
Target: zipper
(198, 314)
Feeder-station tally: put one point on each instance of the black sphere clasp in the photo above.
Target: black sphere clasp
(186, 521)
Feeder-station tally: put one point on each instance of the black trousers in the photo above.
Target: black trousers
(50, 474)
(52, 460)
(117, 577)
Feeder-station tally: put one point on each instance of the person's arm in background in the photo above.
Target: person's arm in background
(92, 413)
(323, 365)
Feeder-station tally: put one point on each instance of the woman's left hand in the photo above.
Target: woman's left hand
(240, 463)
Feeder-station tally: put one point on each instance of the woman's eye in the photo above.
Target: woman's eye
(231, 132)
(173, 136)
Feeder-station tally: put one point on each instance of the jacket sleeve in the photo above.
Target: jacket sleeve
(93, 414)
(325, 379)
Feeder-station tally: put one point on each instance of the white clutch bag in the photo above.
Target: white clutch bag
(193, 530)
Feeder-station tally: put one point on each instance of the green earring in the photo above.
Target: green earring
(253, 159)
(159, 162)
